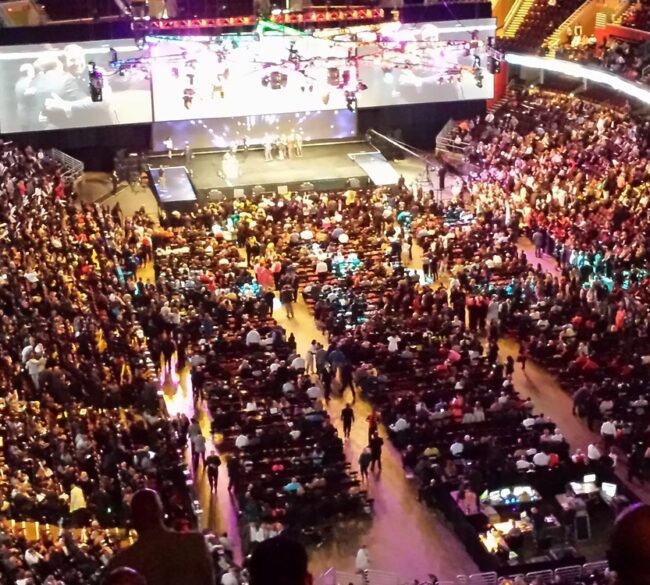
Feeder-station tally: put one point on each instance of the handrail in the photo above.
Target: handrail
(514, 9)
(74, 168)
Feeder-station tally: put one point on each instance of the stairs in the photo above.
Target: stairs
(518, 16)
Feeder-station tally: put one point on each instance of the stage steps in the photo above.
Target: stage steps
(375, 165)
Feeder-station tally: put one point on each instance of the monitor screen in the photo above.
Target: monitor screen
(506, 492)
(494, 496)
(522, 489)
(484, 496)
(590, 478)
(609, 489)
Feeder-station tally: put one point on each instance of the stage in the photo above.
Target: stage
(325, 166)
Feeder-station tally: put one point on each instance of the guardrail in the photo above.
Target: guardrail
(569, 574)
(73, 168)
(446, 144)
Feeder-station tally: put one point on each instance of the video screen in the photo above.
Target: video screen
(47, 87)
(256, 130)
(427, 62)
(240, 75)
(272, 72)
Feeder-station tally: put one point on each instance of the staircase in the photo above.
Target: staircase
(515, 17)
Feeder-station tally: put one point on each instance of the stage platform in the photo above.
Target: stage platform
(325, 166)
(173, 188)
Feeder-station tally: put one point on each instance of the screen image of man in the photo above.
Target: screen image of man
(73, 106)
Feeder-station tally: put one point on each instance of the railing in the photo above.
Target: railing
(514, 9)
(446, 144)
(369, 577)
(73, 168)
(568, 574)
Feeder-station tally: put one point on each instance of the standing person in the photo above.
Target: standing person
(286, 298)
(310, 360)
(198, 450)
(298, 143)
(168, 349)
(326, 379)
(347, 381)
(373, 423)
(522, 358)
(212, 465)
(375, 445)
(232, 465)
(362, 561)
(347, 416)
(181, 353)
(364, 463)
(169, 146)
(538, 241)
(188, 157)
(442, 173)
(163, 556)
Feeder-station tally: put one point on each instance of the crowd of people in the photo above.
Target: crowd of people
(572, 175)
(623, 58)
(84, 340)
(82, 427)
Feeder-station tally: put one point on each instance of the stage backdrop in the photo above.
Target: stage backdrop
(46, 87)
(226, 132)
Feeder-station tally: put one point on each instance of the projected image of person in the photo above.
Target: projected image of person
(51, 86)
(75, 101)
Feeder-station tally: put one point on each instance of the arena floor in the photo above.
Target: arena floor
(404, 535)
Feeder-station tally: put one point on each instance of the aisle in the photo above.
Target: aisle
(404, 536)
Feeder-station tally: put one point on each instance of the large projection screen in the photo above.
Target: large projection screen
(278, 73)
(427, 62)
(46, 87)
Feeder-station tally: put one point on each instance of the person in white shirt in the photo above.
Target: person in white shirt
(393, 343)
(314, 392)
(298, 363)
(523, 464)
(230, 577)
(608, 432)
(541, 459)
(362, 561)
(528, 423)
(310, 358)
(253, 338)
(456, 448)
(241, 441)
(593, 453)
(322, 269)
(399, 425)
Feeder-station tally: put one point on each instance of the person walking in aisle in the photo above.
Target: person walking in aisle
(198, 450)
(376, 443)
(212, 466)
(364, 463)
(286, 298)
(347, 416)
